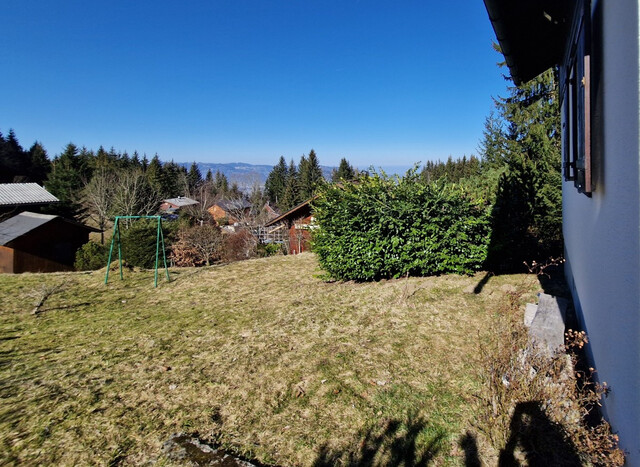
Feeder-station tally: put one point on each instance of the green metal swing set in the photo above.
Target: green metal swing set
(159, 241)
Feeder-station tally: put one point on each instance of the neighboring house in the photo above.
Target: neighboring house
(269, 212)
(17, 197)
(231, 211)
(596, 46)
(299, 222)
(172, 205)
(31, 242)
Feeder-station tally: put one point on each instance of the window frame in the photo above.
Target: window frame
(575, 75)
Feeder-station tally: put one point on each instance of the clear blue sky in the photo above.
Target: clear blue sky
(377, 82)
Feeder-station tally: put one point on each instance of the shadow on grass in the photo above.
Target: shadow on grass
(409, 443)
(480, 285)
(552, 281)
(470, 446)
(539, 440)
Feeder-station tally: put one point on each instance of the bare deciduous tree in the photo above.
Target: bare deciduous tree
(134, 196)
(98, 198)
(205, 194)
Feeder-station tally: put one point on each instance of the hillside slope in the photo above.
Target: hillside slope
(261, 356)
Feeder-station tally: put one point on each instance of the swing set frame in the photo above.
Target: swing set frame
(159, 241)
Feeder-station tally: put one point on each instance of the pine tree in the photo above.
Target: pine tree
(310, 175)
(221, 184)
(276, 181)
(154, 172)
(136, 163)
(344, 172)
(194, 178)
(40, 163)
(65, 181)
(174, 180)
(291, 195)
(14, 162)
(525, 139)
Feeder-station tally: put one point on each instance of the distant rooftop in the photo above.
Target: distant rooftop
(15, 194)
(233, 204)
(181, 201)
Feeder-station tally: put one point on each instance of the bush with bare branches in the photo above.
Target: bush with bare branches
(239, 245)
(198, 245)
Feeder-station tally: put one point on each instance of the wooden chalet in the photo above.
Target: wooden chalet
(230, 210)
(298, 222)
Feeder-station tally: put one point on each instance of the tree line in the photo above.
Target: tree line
(98, 185)
(288, 185)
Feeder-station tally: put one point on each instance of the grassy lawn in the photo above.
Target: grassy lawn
(260, 356)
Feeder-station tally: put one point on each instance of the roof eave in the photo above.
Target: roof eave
(531, 34)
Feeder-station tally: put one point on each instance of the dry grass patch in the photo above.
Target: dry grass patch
(260, 356)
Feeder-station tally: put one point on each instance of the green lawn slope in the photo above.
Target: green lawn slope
(260, 356)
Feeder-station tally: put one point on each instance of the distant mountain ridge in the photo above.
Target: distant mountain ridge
(247, 175)
(244, 174)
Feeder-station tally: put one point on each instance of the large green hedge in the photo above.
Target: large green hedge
(381, 227)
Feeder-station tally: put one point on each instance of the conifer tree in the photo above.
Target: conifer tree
(344, 171)
(276, 181)
(66, 180)
(291, 195)
(174, 180)
(310, 175)
(221, 184)
(40, 163)
(135, 160)
(14, 162)
(194, 178)
(154, 173)
(527, 220)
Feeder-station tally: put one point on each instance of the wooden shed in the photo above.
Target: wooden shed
(31, 242)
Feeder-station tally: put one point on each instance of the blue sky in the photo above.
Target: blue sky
(377, 82)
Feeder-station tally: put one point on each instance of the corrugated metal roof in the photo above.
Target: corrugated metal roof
(181, 201)
(19, 225)
(13, 194)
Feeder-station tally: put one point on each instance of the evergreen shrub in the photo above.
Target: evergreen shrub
(91, 256)
(139, 243)
(268, 249)
(382, 227)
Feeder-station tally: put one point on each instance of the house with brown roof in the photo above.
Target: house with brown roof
(298, 221)
(230, 211)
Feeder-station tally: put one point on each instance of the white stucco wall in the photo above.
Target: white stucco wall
(602, 233)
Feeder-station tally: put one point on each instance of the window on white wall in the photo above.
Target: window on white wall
(575, 75)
